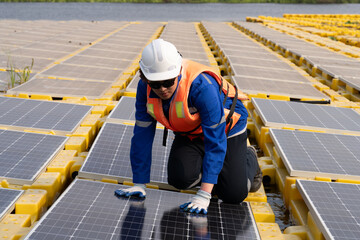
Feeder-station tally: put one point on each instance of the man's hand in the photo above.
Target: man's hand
(137, 190)
(199, 203)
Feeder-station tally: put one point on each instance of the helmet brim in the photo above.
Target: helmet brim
(162, 75)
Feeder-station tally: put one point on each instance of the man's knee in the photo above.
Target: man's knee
(183, 181)
(233, 196)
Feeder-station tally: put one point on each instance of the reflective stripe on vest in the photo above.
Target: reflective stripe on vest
(180, 109)
(150, 109)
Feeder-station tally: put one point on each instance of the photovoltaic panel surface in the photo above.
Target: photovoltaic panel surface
(334, 207)
(276, 113)
(62, 88)
(124, 111)
(77, 72)
(8, 198)
(109, 157)
(89, 210)
(260, 72)
(132, 86)
(309, 154)
(24, 155)
(302, 49)
(25, 113)
(284, 88)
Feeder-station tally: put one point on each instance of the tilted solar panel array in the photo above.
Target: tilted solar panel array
(255, 69)
(91, 69)
(337, 65)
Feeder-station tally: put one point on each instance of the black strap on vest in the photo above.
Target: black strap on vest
(233, 105)
(226, 95)
(165, 134)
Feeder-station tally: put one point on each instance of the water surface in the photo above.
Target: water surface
(162, 12)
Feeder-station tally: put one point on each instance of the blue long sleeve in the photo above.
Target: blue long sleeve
(142, 140)
(206, 99)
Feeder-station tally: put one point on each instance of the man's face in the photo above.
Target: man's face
(164, 89)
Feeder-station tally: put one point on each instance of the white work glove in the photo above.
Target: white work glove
(137, 190)
(199, 203)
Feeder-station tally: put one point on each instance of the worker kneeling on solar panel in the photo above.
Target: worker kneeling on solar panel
(209, 121)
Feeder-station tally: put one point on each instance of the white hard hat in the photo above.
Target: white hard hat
(160, 61)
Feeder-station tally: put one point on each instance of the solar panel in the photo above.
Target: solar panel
(276, 113)
(20, 62)
(53, 47)
(77, 72)
(309, 154)
(334, 207)
(62, 88)
(8, 198)
(124, 111)
(84, 60)
(275, 87)
(109, 157)
(351, 81)
(62, 118)
(272, 62)
(259, 72)
(23, 156)
(38, 53)
(305, 49)
(89, 210)
(118, 54)
(132, 86)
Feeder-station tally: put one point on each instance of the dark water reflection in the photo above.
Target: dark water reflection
(161, 12)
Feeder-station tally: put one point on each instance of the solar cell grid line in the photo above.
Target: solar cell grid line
(23, 156)
(309, 154)
(109, 157)
(124, 111)
(89, 210)
(275, 113)
(334, 207)
(62, 118)
(8, 197)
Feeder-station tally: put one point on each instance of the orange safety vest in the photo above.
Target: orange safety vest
(180, 119)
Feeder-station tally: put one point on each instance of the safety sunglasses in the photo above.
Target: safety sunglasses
(158, 84)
